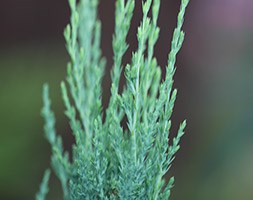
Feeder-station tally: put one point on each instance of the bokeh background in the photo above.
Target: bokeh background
(214, 77)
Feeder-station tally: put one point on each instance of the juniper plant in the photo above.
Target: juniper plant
(109, 161)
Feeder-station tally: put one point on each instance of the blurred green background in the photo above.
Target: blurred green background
(214, 77)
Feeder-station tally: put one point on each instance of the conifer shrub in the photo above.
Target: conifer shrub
(109, 161)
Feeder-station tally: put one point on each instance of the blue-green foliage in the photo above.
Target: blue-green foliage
(41, 195)
(110, 162)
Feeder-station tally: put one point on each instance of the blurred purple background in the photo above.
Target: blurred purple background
(214, 77)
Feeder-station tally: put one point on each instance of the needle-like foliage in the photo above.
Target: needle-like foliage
(109, 161)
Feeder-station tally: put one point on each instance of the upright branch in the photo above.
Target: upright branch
(109, 161)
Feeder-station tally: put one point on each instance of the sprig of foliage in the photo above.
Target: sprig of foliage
(110, 162)
(41, 195)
